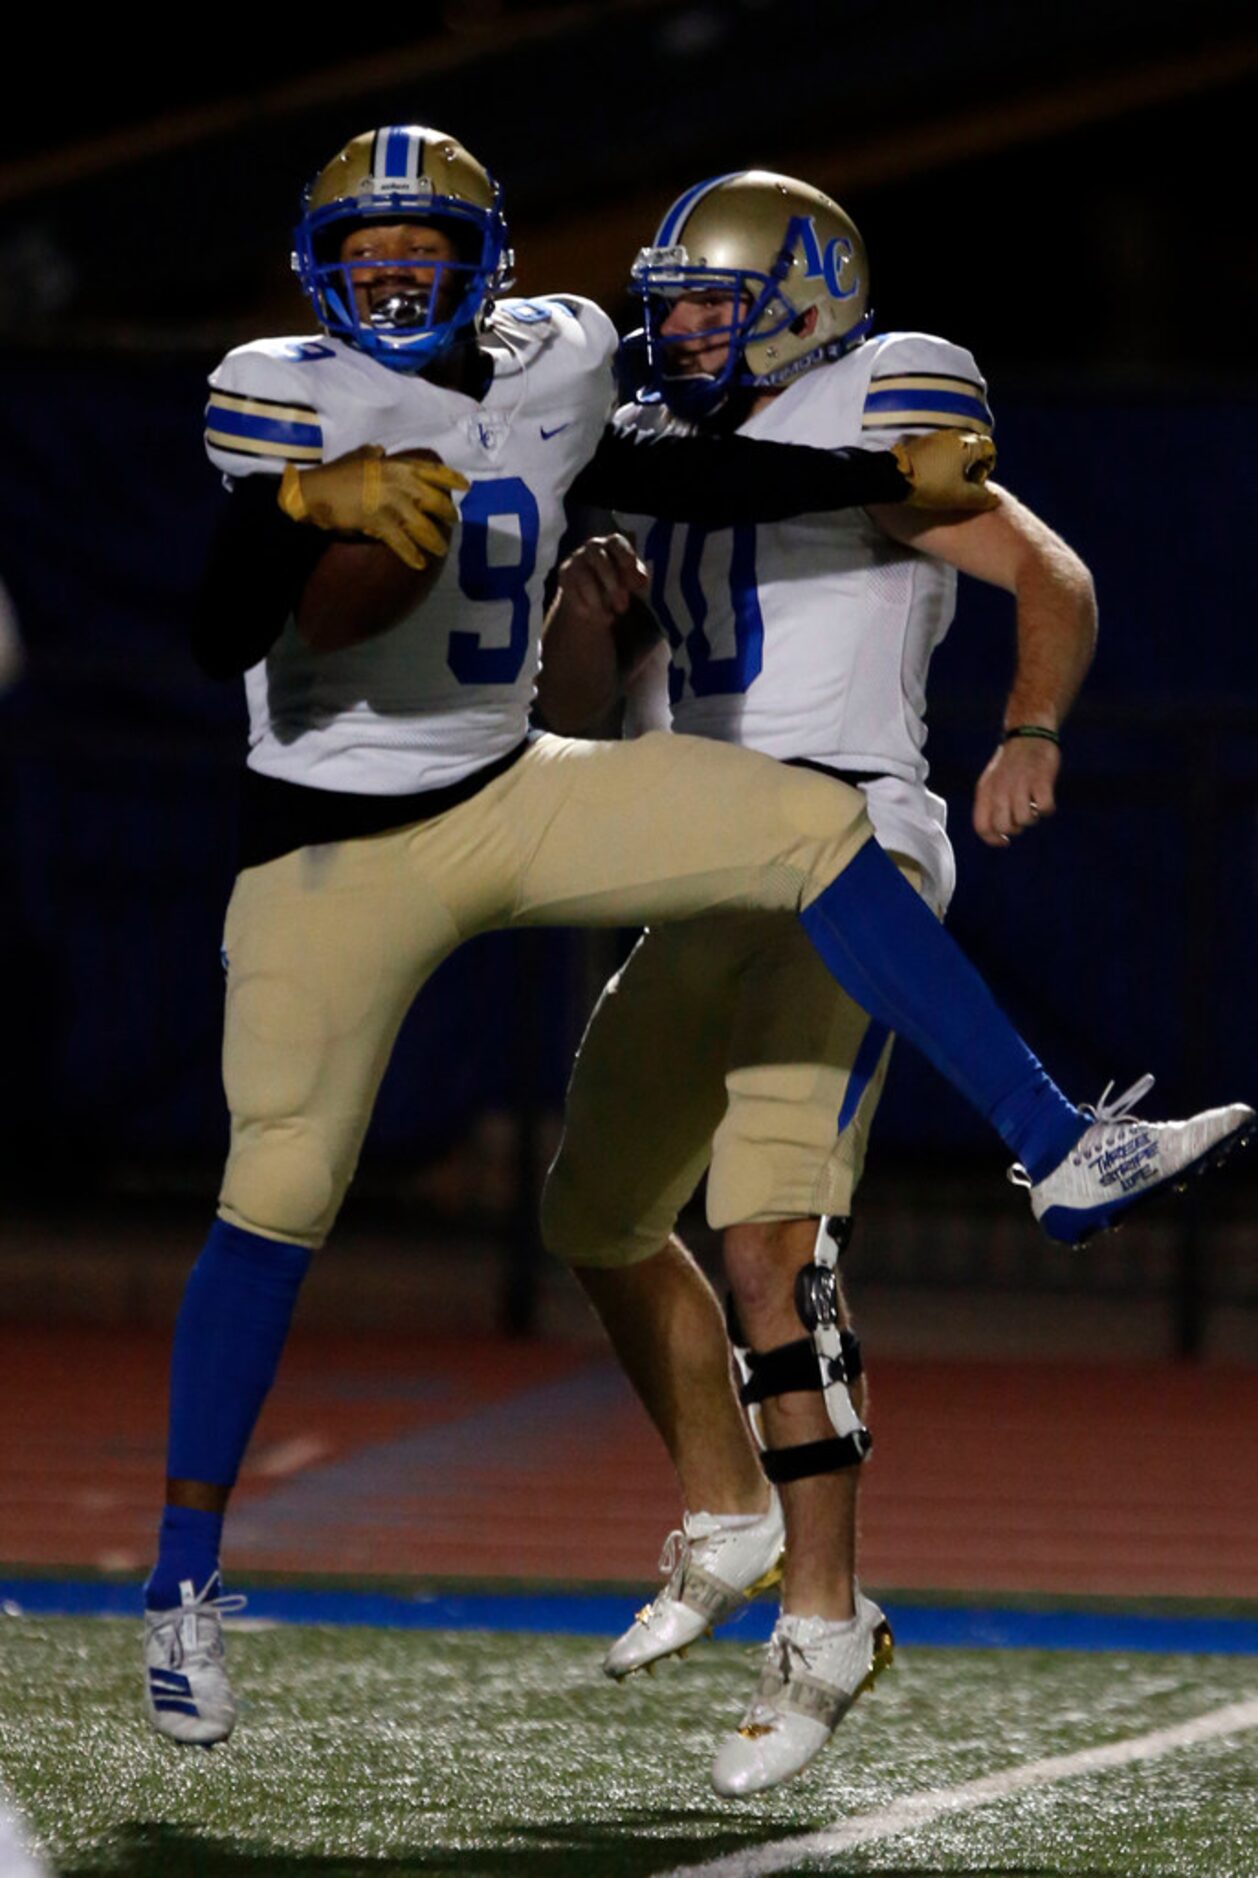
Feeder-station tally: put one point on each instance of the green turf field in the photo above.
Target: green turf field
(391, 1752)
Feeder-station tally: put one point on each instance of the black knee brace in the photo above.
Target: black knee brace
(828, 1359)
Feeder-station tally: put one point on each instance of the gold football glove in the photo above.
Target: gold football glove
(402, 500)
(947, 469)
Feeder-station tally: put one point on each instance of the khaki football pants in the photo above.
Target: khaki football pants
(327, 947)
(725, 1045)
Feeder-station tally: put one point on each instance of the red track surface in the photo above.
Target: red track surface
(479, 1457)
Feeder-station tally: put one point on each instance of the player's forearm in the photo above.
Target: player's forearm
(258, 564)
(720, 481)
(1056, 635)
(586, 667)
(580, 677)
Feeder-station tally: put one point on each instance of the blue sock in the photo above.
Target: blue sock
(187, 1548)
(889, 952)
(231, 1330)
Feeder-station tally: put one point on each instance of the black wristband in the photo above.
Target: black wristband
(1032, 730)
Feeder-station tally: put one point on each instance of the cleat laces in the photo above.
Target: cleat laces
(674, 1558)
(791, 1656)
(195, 1630)
(1105, 1114)
(1119, 1110)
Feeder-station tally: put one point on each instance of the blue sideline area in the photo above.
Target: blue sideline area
(943, 1626)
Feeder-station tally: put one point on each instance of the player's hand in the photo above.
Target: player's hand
(1016, 790)
(402, 500)
(598, 582)
(947, 469)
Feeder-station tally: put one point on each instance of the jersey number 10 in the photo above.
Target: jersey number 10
(693, 659)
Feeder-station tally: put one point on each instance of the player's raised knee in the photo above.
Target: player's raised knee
(577, 1230)
(281, 1182)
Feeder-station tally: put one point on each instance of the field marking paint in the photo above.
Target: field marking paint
(922, 1809)
(289, 1457)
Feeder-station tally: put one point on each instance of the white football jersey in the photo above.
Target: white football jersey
(447, 690)
(811, 638)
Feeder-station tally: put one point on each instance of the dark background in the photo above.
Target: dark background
(1065, 191)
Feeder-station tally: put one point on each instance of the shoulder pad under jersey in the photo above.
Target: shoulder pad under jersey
(262, 412)
(919, 382)
(568, 315)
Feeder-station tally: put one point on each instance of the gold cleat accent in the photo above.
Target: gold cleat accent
(752, 1731)
(884, 1651)
(767, 1580)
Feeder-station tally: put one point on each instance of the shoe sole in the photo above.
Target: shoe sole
(766, 1582)
(209, 1743)
(1177, 1183)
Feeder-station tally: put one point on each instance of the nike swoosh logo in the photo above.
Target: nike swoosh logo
(546, 434)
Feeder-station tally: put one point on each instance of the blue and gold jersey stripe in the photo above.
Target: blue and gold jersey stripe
(925, 400)
(263, 427)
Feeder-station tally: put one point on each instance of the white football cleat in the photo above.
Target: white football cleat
(16, 1858)
(813, 1672)
(1121, 1160)
(186, 1691)
(714, 1570)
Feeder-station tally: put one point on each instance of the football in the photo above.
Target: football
(358, 590)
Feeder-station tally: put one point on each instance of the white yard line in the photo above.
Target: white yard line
(289, 1457)
(922, 1809)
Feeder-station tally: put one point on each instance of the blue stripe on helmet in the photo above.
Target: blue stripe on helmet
(397, 151)
(673, 217)
(954, 402)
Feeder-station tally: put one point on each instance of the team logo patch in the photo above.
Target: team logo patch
(487, 431)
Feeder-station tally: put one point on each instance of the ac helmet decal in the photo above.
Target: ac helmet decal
(404, 173)
(790, 260)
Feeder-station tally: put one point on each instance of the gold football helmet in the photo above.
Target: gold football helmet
(791, 260)
(404, 173)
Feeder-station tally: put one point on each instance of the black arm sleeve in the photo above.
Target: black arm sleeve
(719, 481)
(259, 562)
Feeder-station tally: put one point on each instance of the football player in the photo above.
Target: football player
(395, 803)
(723, 1044)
